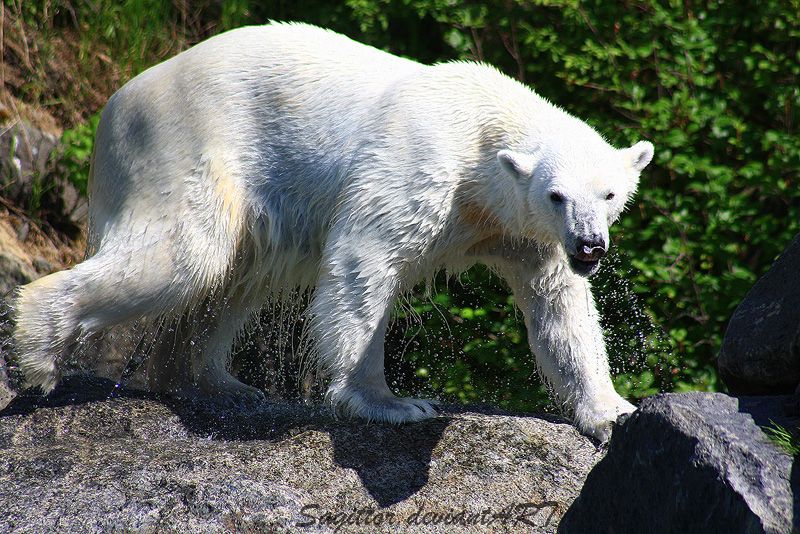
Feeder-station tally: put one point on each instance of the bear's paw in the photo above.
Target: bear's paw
(597, 418)
(379, 405)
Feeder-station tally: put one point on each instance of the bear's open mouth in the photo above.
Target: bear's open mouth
(584, 268)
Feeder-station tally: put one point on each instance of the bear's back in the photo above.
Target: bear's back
(291, 115)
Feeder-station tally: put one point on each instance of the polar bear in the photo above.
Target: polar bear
(287, 156)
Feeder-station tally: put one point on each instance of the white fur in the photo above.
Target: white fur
(286, 156)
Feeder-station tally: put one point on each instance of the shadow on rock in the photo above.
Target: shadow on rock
(72, 391)
(392, 461)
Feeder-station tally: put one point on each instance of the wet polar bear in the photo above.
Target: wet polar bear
(287, 156)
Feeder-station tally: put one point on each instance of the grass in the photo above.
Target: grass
(65, 58)
(787, 439)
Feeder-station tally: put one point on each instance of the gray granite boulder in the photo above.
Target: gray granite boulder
(760, 353)
(693, 463)
(97, 458)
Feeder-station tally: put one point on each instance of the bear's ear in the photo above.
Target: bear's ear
(517, 164)
(639, 155)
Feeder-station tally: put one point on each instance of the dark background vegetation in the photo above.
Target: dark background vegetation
(714, 85)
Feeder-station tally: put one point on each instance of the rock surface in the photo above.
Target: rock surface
(96, 458)
(760, 353)
(693, 462)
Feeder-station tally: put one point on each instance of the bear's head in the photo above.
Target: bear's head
(571, 188)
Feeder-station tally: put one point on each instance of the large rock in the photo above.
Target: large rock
(97, 458)
(32, 177)
(693, 462)
(760, 353)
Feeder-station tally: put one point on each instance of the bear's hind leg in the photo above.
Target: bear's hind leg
(55, 311)
(192, 351)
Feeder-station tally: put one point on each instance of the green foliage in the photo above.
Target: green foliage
(77, 146)
(714, 85)
(464, 343)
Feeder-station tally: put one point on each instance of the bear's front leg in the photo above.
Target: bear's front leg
(352, 302)
(565, 336)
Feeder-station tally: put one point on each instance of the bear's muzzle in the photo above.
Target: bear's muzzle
(586, 259)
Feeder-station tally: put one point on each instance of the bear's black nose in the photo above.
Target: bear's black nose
(590, 250)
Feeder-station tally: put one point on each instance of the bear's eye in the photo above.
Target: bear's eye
(610, 196)
(556, 198)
